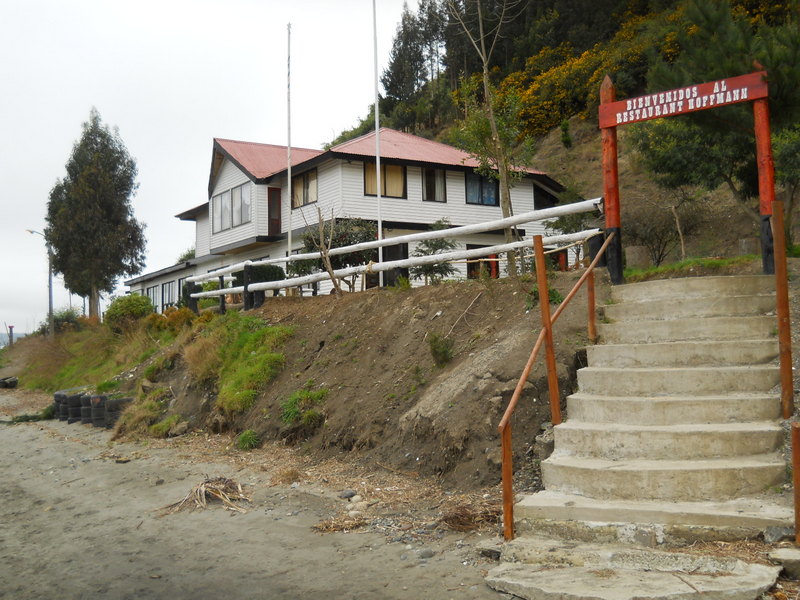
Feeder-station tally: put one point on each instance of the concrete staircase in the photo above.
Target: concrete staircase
(674, 434)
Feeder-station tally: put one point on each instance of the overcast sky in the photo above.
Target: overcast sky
(171, 75)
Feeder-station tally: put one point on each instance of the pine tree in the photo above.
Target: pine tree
(91, 230)
(436, 272)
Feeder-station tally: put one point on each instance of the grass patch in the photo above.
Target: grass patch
(106, 386)
(45, 414)
(139, 416)
(162, 428)
(248, 440)
(240, 353)
(689, 267)
(300, 406)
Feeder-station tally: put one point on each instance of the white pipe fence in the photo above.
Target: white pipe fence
(536, 215)
(399, 264)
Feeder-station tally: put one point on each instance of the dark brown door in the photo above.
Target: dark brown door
(274, 210)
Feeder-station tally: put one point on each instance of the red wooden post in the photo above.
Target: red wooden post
(592, 327)
(611, 187)
(796, 479)
(782, 310)
(550, 355)
(766, 181)
(508, 483)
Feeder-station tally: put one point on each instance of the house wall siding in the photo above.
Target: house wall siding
(414, 209)
(229, 177)
(202, 234)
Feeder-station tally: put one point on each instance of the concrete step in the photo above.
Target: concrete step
(665, 442)
(695, 328)
(693, 287)
(667, 381)
(651, 522)
(673, 410)
(685, 353)
(679, 480)
(677, 308)
(538, 568)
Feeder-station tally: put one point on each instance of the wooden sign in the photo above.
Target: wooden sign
(692, 98)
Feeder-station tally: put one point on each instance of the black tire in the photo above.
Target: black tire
(86, 414)
(12, 382)
(63, 411)
(3, 384)
(101, 422)
(74, 400)
(86, 401)
(72, 420)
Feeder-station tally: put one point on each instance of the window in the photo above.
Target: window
(393, 180)
(433, 186)
(304, 189)
(542, 198)
(181, 282)
(167, 294)
(231, 208)
(152, 293)
(482, 190)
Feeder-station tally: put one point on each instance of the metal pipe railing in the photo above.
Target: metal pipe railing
(505, 423)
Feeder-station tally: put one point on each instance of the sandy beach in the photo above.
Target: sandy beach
(79, 518)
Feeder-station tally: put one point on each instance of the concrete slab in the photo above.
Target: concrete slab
(545, 569)
(789, 559)
(683, 354)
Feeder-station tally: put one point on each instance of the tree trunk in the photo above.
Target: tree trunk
(680, 231)
(94, 303)
(500, 156)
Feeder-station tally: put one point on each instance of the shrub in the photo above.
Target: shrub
(441, 349)
(162, 428)
(248, 440)
(124, 311)
(299, 407)
(65, 319)
(532, 299)
(178, 318)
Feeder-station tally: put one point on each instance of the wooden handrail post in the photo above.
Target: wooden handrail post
(782, 309)
(796, 478)
(592, 323)
(550, 355)
(508, 484)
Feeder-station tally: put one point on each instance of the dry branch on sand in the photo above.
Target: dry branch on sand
(472, 516)
(343, 523)
(227, 491)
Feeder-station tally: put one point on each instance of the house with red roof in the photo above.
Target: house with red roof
(249, 211)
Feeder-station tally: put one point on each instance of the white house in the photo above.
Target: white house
(248, 216)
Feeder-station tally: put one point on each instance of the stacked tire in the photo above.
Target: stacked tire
(74, 408)
(98, 410)
(114, 407)
(59, 399)
(86, 408)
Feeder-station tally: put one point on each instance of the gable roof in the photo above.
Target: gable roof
(396, 145)
(257, 161)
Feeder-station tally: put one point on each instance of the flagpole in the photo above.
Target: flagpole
(377, 138)
(289, 134)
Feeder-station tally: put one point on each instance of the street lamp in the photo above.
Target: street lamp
(51, 324)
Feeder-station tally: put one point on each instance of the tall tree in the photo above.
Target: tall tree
(717, 147)
(405, 74)
(493, 149)
(91, 230)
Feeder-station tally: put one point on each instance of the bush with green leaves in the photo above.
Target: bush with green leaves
(441, 349)
(436, 272)
(64, 319)
(124, 311)
(248, 440)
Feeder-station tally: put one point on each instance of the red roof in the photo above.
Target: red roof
(263, 160)
(404, 146)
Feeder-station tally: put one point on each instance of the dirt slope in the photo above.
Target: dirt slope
(387, 400)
